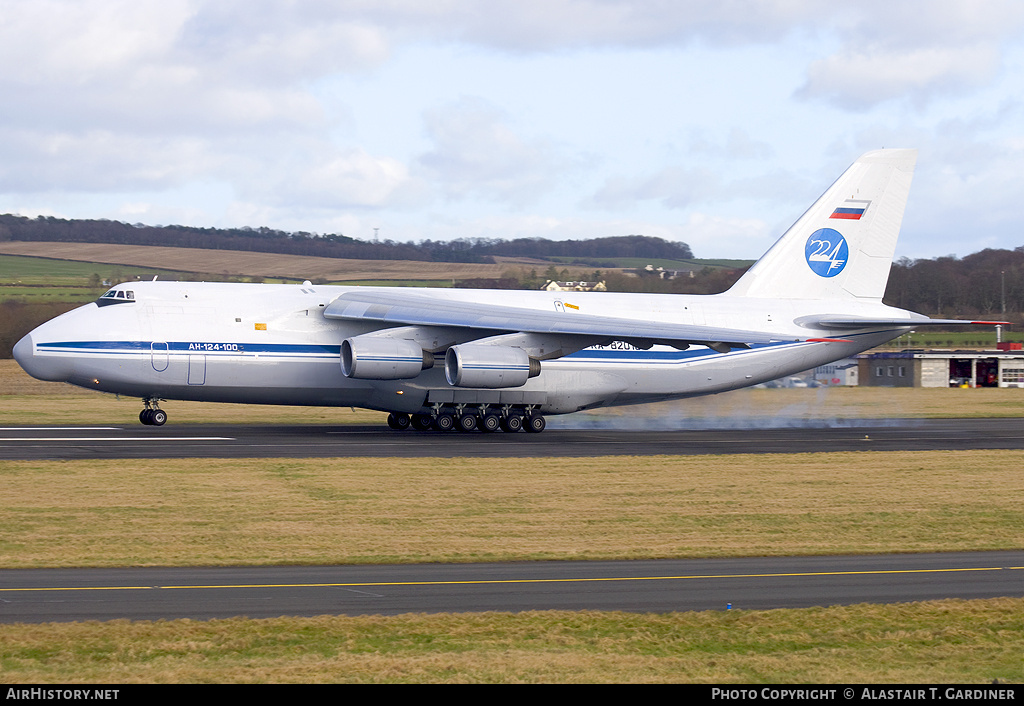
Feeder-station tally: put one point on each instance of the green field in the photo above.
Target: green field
(638, 262)
(15, 269)
(43, 280)
(982, 338)
(938, 642)
(398, 283)
(37, 279)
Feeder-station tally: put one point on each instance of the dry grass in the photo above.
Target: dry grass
(938, 642)
(326, 511)
(75, 406)
(234, 262)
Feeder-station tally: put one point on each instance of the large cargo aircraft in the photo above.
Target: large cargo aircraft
(499, 360)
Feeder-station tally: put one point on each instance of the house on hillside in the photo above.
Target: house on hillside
(553, 286)
(662, 273)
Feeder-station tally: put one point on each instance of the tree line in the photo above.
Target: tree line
(591, 251)
(987, 284)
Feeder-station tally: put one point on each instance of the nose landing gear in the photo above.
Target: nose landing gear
(152, 415)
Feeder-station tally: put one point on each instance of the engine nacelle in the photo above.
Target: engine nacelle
(489, 366)
(376, 358)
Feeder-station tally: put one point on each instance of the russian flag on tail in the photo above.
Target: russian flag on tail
(851, 210)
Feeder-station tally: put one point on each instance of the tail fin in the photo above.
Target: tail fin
(842, 247)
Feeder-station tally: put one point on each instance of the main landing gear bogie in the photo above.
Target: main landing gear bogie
(465, 420)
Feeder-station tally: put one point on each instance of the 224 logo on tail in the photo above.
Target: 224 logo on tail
(826, 252)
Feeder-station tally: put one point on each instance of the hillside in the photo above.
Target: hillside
(251, 264)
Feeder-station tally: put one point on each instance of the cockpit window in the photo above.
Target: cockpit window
(116, 296)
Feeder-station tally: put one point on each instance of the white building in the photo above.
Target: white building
(553, 286)
(845, 372)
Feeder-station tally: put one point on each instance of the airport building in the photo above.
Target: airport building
(841, 373)
(938, 368)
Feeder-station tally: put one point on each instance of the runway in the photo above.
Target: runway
(238, 441)
(61, 595)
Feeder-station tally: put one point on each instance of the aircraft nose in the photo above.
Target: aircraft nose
(24, 351)
(34, 365)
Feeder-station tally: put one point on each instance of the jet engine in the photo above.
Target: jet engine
(489, 366)
(376, 358)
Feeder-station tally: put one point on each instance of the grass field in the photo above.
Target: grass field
(358, 510)
(939, 642)
(238, 263)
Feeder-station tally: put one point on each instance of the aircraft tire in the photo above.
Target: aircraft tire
(144, 416)
(444, 422)
(512, 423)
(157, 417)
(421, 422)
(490, 422)
(398, 422)
(536, 424)
(467, 422)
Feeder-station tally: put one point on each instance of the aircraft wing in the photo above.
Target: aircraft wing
(424, 310)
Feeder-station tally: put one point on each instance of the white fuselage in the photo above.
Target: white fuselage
(272, 344)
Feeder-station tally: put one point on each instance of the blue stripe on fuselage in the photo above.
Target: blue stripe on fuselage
(587, 355)
(127, 347)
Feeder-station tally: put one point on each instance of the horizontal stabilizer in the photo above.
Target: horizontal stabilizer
(853, 322)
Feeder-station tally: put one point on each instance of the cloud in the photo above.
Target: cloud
(174, 65)
(738, 144)
(861, 78)
(715, 236)
(98, 160)
(340, 179)
(475, 153)
(907, 51)
(672, 187)
(554, 25)
(78, 42)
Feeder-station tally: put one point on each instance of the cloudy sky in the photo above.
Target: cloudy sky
(712, 123)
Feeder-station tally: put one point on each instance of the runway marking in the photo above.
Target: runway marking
(6, 429)
(117, 438)
(482, 582)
